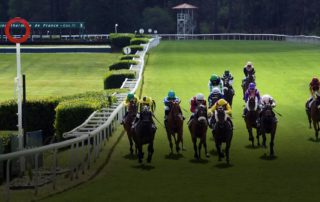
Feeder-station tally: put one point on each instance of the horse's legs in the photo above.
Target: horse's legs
(205, 148)
(170, 140)
(308, 111)
(316, 129)
(251, 138)
(272, 144)
(258, 136)
(179, 139)
(194, 140)
(131, 144)
(140, 153)
(264, 138)
(199, 148)
(150, 152)
(218, 147)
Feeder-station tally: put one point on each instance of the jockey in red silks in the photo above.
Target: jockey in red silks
(195, 102)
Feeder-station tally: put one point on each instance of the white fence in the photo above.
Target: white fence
(240, 36)
(80, 149)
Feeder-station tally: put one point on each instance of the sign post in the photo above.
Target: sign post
(17, 41)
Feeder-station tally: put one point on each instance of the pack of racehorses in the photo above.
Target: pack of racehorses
(222, 131)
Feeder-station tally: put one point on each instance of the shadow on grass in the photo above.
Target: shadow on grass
(312, 139)
(200, 161)
(173, 156)
(144, 167)
(249, 146)
(130, 157)
(213, 152)
(268, 158)
(223, 165)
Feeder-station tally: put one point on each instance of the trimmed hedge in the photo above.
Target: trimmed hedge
(41, 114)
(135, 48)
(120, 40)
(123, 64)
(38, 115)
(114, 79)
(138, 41)
(129, 57)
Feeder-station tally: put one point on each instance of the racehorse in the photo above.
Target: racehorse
(127, 124)
(228, 91)
(144, 133)
(222, 132)
(175, 126)
(245, 84)
(251, 118)
(268, 125)
(314, 115)
(198, 129)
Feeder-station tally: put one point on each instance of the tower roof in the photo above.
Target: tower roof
(185, 6)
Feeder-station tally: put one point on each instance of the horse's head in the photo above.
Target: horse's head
(220, 115)
(132, 107)
(252, 104)
(201, 113)
(226, 81)
(250, 78)
(146, 114)
(267, 114)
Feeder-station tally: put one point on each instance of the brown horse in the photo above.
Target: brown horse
(222, 132)
(268, 125)
(251, 118)
(127, 123)
(144, 133)
(315, 116)
(175, 126)
(245, 84)
(198, 127)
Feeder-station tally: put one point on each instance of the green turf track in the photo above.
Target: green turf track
(54, 74)
(283, 70)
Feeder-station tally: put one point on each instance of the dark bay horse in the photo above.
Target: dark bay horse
(251, 118)
(228, 91)
(144, 133)
(223, 133)
(315, 116)
(127, 124)
(198, 129)
(245, 85)
(175, 126)
(268, 125)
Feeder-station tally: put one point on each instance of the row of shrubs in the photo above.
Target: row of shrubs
(119, 70)
(54, 114)
(120, 40)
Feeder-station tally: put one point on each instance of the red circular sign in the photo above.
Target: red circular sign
(25, 36)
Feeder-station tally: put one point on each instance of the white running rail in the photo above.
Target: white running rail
(97, 129)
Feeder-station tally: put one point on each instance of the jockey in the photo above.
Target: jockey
(145, 101)
(167, 102)
(214, 96)
(226, 106)
(228, 75)
(251, 92)
(266, 101)
(130, 98)
(215, 81)
(314, 88)
(195, 102)
(248, 70)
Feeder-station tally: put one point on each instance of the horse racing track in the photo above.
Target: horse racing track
(283, 70)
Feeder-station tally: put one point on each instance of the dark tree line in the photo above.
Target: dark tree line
(212, 16)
